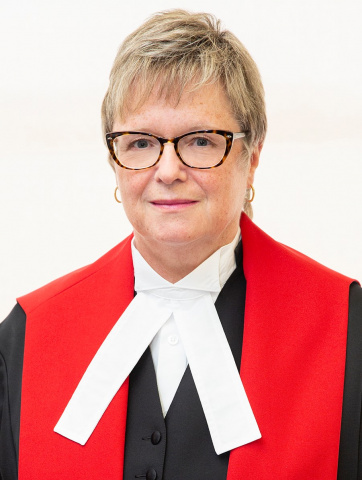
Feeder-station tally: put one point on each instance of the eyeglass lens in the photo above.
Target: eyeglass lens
(196, 150)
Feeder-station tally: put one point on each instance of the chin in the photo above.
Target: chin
(173, 236)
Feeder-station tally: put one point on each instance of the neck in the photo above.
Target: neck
(174, 261)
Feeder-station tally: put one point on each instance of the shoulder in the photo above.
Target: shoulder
(12, 331)
(356, 299)
(264, 254)
(12, 334)
(354, 352)
(116, 260)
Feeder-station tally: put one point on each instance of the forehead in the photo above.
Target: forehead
(204, 103)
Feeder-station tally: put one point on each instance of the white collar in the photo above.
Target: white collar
(228, 413)
(167, 348)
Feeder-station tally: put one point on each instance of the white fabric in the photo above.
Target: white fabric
(168, 353)
(228, 413)
(170, 361)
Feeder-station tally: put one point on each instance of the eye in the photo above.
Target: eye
(201, 142)
(141, 143)
(137, 142)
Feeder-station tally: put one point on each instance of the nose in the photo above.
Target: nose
(170, 168)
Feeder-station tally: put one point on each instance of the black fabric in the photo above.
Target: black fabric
(12, 334)
(185, 450)
(146, 430)
(350, 448)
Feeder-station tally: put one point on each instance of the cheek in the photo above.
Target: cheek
(225, 197)
(131, 185)
(232, 185)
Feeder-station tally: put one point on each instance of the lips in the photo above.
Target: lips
(175, 201)
(173, 204)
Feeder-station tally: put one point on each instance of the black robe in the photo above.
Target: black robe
(12, 334)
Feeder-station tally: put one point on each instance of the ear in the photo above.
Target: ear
(254, 162)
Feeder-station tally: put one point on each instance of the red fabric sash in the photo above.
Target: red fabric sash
(292, 365)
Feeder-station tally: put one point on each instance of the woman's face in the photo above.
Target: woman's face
(171, 204)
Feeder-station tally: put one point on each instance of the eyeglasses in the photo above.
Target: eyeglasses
(202, 149)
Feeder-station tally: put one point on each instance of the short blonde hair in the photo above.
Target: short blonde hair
(177, 49)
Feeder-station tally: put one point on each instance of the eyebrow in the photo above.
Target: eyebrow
(193, 128)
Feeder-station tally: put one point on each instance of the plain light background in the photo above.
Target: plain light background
(57, 210)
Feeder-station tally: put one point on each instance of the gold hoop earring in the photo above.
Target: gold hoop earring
(253, 194)
(115, 196)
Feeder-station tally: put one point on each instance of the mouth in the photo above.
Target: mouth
(173, 204)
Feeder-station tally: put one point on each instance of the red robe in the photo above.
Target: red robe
(292, 367)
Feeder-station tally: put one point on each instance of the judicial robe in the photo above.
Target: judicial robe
(293, 367)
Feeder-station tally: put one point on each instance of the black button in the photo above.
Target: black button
(151, 474)
(156, 437)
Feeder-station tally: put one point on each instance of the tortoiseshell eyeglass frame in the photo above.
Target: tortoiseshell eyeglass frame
(229, 136)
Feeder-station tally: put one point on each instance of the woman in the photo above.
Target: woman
(113, 385)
